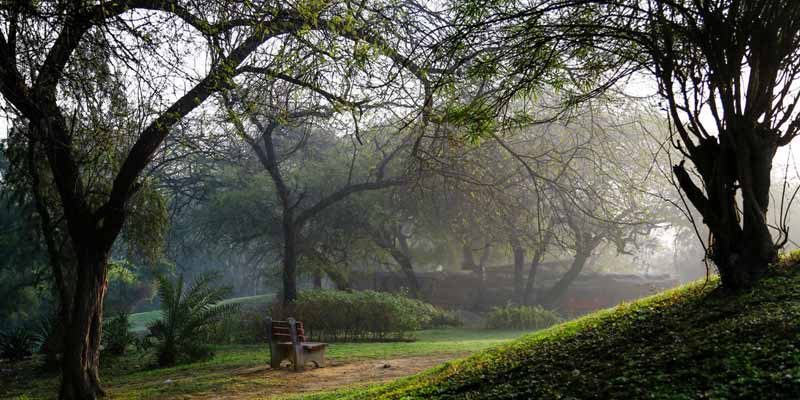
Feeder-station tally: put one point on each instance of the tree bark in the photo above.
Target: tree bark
(81, 358)
(741, 248)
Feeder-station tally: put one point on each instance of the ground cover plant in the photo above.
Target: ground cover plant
(694, 342)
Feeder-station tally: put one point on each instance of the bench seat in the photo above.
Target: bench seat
(307, 345)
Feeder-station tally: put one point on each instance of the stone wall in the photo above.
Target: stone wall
(461, 289)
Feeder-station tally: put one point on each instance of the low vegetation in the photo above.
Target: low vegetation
(695, 342)
(117, 335)
(186, 314)
(513, 316)
(333, 315)
(18, 344)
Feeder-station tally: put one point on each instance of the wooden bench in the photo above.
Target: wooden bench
(287, 341)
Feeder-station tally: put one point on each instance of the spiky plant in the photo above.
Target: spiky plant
(185, 314)
(17, 344)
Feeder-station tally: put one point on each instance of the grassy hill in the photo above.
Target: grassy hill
(140, 321)
(694, 342)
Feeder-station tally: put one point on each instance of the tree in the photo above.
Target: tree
(51, 54)
(736, 60)
(725, 69)
(276, 123)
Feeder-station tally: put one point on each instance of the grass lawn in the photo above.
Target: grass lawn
(694, 342)
(140, 321)
(134, 377)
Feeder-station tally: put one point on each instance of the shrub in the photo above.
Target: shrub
(18, 344)
(441, 318)
(117, 334)
(512, 316)
(245, 326)
(186, 315)
(333, 315)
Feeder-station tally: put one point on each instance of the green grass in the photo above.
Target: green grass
(140, 321)
(694, 342)
(134, 376)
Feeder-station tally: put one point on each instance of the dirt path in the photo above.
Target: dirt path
(335, 376)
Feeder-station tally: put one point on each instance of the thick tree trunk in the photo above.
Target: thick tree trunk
(81, 358)
(555, 293)
(519, 270)
(742, 246)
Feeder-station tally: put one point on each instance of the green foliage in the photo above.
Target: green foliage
(789, 259)
(18, 344)
(245, 326)
(129, 285)
(146, 225)
(441, 318)
(513, 316)
(117, 335)
(698, 341)
(333, 315)
(185, 317)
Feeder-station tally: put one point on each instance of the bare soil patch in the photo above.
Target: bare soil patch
(335, 375)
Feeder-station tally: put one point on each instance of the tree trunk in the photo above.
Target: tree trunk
(519, 270)
(741, 248)
(337, 277)
(318, 279)
(404, 259)
(289, 257)
(555, 293)
(481, 271)
(528, 297)
(81, 358)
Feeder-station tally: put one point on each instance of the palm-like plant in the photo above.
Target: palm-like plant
(185, 315)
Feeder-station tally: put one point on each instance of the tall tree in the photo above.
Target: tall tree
(51, 53)
(725, 69)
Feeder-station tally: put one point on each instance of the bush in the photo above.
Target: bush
(333, 315)
(186, 317)
(441, 318)
(512, 316)
(117, 334)
(245, 326)
(18, 344)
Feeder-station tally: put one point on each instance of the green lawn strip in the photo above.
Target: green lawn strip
(134, 377)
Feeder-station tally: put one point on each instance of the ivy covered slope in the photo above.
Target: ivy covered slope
(689, 343)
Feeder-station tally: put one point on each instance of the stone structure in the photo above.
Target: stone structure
(461, 289)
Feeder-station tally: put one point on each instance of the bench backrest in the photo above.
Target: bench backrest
(285, 331)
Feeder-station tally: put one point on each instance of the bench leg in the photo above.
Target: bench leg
(277, 354)
(317, 357)
(299, 359)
